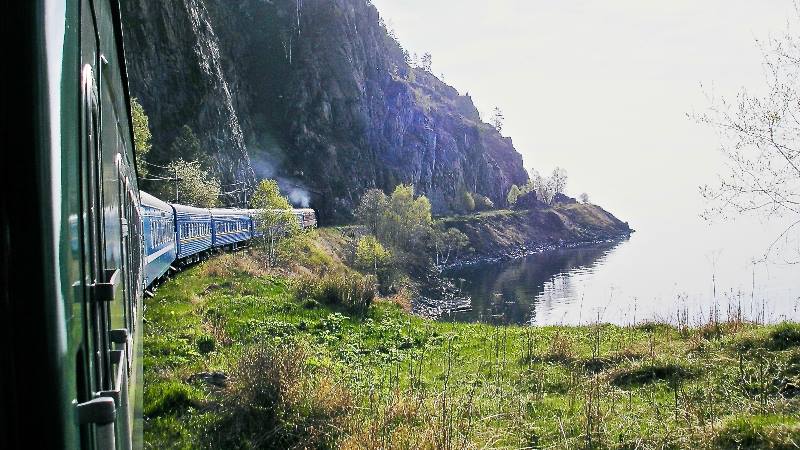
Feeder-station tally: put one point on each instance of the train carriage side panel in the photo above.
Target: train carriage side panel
(230, 226)
(160, 248)
(193, 229)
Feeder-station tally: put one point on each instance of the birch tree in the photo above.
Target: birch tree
(760, 140)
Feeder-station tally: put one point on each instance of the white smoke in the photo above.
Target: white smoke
(299, 197)
(267, 164)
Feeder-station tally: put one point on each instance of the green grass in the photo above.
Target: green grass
(302, 374)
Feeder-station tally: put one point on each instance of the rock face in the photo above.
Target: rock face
(181, 77)
(315, 93)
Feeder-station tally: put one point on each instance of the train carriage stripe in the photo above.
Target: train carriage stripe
(155, 256)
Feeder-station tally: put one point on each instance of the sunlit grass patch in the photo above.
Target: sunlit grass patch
(759, 432)
(171, 398)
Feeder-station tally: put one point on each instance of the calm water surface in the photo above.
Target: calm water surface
(664, 270)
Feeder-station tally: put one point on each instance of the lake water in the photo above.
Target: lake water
(663, 272)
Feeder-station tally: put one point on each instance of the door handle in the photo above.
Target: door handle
(104, 291)
(100, 412)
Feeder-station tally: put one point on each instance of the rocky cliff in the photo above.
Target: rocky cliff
(315, 93)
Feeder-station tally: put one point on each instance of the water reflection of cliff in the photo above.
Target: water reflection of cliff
(508, 292)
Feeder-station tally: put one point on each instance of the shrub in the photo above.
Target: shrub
(350, 290)
(370, 254)
(277, 401)
(482, 203)
(785, 336)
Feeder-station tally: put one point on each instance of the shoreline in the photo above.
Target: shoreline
(534, 249)
(438, 295)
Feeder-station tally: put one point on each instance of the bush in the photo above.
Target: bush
(785, 336)
(277, 401)
(370, 255)
(350, 290)
(482, 203)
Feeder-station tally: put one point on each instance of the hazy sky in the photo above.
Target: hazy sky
(602, 87)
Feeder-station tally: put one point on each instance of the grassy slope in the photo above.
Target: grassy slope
(392, 380)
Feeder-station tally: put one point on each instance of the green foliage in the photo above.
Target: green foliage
(448, 242)
(513, 194)
(759, 432)
(785, 336)
(196, 187)
(268, 196)
(141, 136)
(370, 254)
(371, 211)
(302, 249)
(275, 221)
(400, 221)
(467, 201)
(206, 344)
(306, 373)
(651, 373)
(349, 290)
(186, 146)
(171, 397)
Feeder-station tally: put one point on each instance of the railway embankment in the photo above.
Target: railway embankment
(237, 356)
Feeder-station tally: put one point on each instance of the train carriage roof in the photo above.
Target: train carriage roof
(206, 213)
(230, 213)
(153, 202)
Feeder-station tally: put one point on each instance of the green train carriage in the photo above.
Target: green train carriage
(71, 262)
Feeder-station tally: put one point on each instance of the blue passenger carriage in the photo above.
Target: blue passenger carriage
(160, 249)
(193, 227)
(230, 227)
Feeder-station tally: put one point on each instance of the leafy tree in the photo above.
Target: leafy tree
(268, 196)
(186, 146)
(275, 219)
(542, 187)
(467, 201)
(546, 188)
(401, 220)
(513, 194)
(194, 187)
(408, 219)
(498, 119)
(371, 211)
(141, 136)
(584, 197)
(371, 255)
(482, 203)
(448, 242)
(761, 139)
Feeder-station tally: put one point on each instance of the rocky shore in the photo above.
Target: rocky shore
(499, 236)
